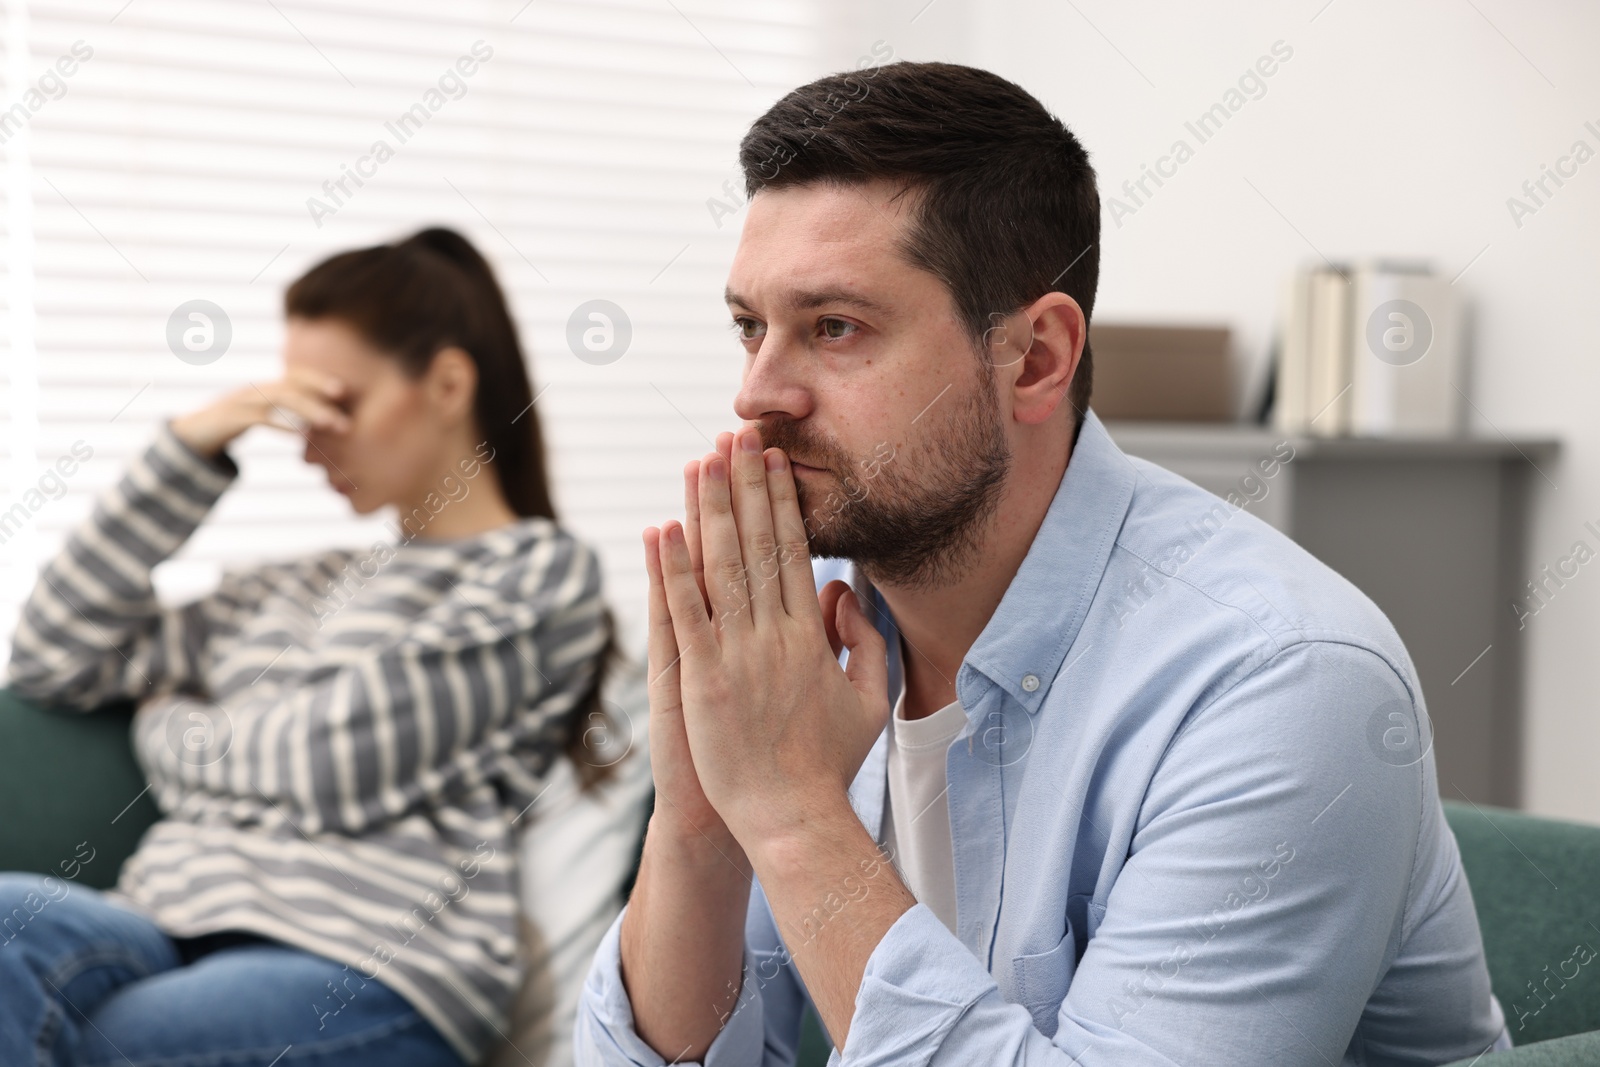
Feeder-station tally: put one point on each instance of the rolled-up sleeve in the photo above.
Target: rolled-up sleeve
(924, 999)
(923, 994)
(605, 1033)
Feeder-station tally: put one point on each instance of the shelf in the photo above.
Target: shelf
(1227, 440)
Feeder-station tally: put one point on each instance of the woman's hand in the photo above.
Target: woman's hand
(302, 398)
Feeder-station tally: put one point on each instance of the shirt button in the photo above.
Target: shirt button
(1030, 682)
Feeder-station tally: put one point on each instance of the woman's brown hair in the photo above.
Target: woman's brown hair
(432, 291)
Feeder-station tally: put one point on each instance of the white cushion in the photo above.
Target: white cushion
(575, 852)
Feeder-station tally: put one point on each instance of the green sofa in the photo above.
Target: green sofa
(72, 803)
(70, 792)
(1536, 883)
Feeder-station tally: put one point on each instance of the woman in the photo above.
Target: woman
(341, 745)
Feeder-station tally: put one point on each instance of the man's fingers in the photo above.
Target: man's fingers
(868, 668)
(798, 583)
(828, 605)
(752, 510)
(691, 523)
(662, 649)
(691, 510)
(727, 581)
(690, 623)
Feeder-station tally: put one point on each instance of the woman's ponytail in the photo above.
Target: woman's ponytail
(431, 291)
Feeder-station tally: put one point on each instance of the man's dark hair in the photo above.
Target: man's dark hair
(1009, 210)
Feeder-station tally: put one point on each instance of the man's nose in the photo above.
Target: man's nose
(773, 383)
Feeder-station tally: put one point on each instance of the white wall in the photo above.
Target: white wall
(1389, 130)
(1396, 129)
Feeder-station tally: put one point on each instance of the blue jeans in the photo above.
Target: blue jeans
(85, 982)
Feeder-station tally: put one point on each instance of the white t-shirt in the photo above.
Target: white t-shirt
(917, 829)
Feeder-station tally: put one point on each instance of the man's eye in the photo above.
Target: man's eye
(747, 329)
(836, 329)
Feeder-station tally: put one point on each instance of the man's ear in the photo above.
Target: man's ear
(452, 383)
(1043, 373)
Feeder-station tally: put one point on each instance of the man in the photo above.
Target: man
(1156, 787)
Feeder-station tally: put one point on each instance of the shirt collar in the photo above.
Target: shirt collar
(1022, 646)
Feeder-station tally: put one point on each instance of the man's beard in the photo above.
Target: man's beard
(921, 528)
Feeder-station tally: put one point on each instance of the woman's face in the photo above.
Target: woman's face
(401, 428)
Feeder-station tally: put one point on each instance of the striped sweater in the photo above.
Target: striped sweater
(340, 745)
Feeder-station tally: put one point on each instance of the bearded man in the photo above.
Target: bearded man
(1111, 772)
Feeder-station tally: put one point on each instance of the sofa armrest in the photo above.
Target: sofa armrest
(72, 800)
(1578, 1050)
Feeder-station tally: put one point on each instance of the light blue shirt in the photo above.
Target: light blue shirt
(1194, 818)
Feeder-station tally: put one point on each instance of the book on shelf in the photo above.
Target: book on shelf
(1371, 349)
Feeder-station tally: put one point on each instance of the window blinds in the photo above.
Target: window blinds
(176, 151)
